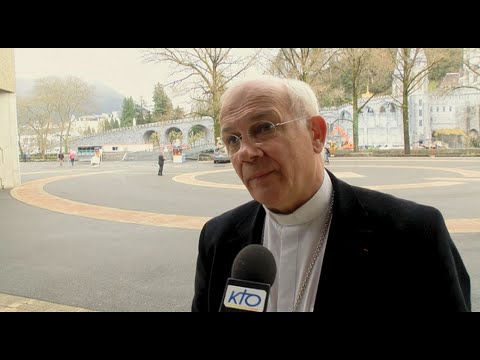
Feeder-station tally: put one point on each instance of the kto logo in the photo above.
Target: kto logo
(244, 298)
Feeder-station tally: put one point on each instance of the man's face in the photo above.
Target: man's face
(283, 172)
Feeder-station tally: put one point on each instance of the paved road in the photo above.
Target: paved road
(121, 238)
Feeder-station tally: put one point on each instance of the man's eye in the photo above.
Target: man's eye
(262, 128)
(232, 140)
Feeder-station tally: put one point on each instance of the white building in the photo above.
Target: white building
(381, 121)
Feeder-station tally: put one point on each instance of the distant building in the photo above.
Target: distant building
(381, 121)
(450, 81)
(86, 125)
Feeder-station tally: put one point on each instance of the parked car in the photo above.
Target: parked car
(220, 157)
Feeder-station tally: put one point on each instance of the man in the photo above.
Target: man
(61, 156)
(161, 161)
(337, 247)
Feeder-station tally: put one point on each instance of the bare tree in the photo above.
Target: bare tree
(67, 98)
(473, 65)
(310, 65)
(363, 69)
(35, 113)
(205, 72)
(471, 69)
(411, 70)
(305, 64)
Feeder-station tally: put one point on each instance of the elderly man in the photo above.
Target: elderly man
(337, 247)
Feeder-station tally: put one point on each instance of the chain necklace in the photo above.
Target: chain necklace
(315, 254)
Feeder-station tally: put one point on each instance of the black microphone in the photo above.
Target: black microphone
(253, 273)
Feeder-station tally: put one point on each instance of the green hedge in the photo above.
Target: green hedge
(414, 152)
(38, 157)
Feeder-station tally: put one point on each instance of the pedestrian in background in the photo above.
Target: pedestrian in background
(72, 157)
(161, 161)
(61, 156)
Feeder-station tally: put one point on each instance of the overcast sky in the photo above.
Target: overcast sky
(121, 69)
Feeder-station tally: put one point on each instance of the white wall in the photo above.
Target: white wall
(9, 164)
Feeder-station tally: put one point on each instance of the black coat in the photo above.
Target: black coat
(161, 160)
(383, 254)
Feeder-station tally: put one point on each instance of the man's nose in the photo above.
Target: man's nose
(248, 149)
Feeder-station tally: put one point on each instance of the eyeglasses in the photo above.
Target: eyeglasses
(258, 133)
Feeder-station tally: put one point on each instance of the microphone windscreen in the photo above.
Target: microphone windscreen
(255, 263)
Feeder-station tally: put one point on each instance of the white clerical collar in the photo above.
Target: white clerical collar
(318, 204)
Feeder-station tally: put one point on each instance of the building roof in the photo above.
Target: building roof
(450, 80)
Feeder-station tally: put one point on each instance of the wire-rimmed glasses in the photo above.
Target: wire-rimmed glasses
(259, 132)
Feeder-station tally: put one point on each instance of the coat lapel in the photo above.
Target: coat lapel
(346, 252)
(248, 230)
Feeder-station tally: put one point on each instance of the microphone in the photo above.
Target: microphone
(253, 273)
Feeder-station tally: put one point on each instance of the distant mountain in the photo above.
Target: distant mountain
(105, 98)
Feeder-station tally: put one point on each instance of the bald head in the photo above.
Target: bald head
(289, 96)
(259, 93)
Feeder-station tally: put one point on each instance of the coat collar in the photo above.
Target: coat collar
(348, 217)
(347, 245)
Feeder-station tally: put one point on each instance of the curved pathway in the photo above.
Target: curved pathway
(33, 193)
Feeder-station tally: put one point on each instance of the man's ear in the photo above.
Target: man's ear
(319, 131)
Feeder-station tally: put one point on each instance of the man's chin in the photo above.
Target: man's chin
(267, 198)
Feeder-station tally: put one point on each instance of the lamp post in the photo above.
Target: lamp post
(366, 133)
(386, 123)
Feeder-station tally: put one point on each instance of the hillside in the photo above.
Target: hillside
(106, 99)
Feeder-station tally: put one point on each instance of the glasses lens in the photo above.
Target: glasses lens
(262, 131)
(259, 132)
(232, 143)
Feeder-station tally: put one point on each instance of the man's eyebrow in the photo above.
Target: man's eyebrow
(226, 129)
(260, 116)
(249, 120)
